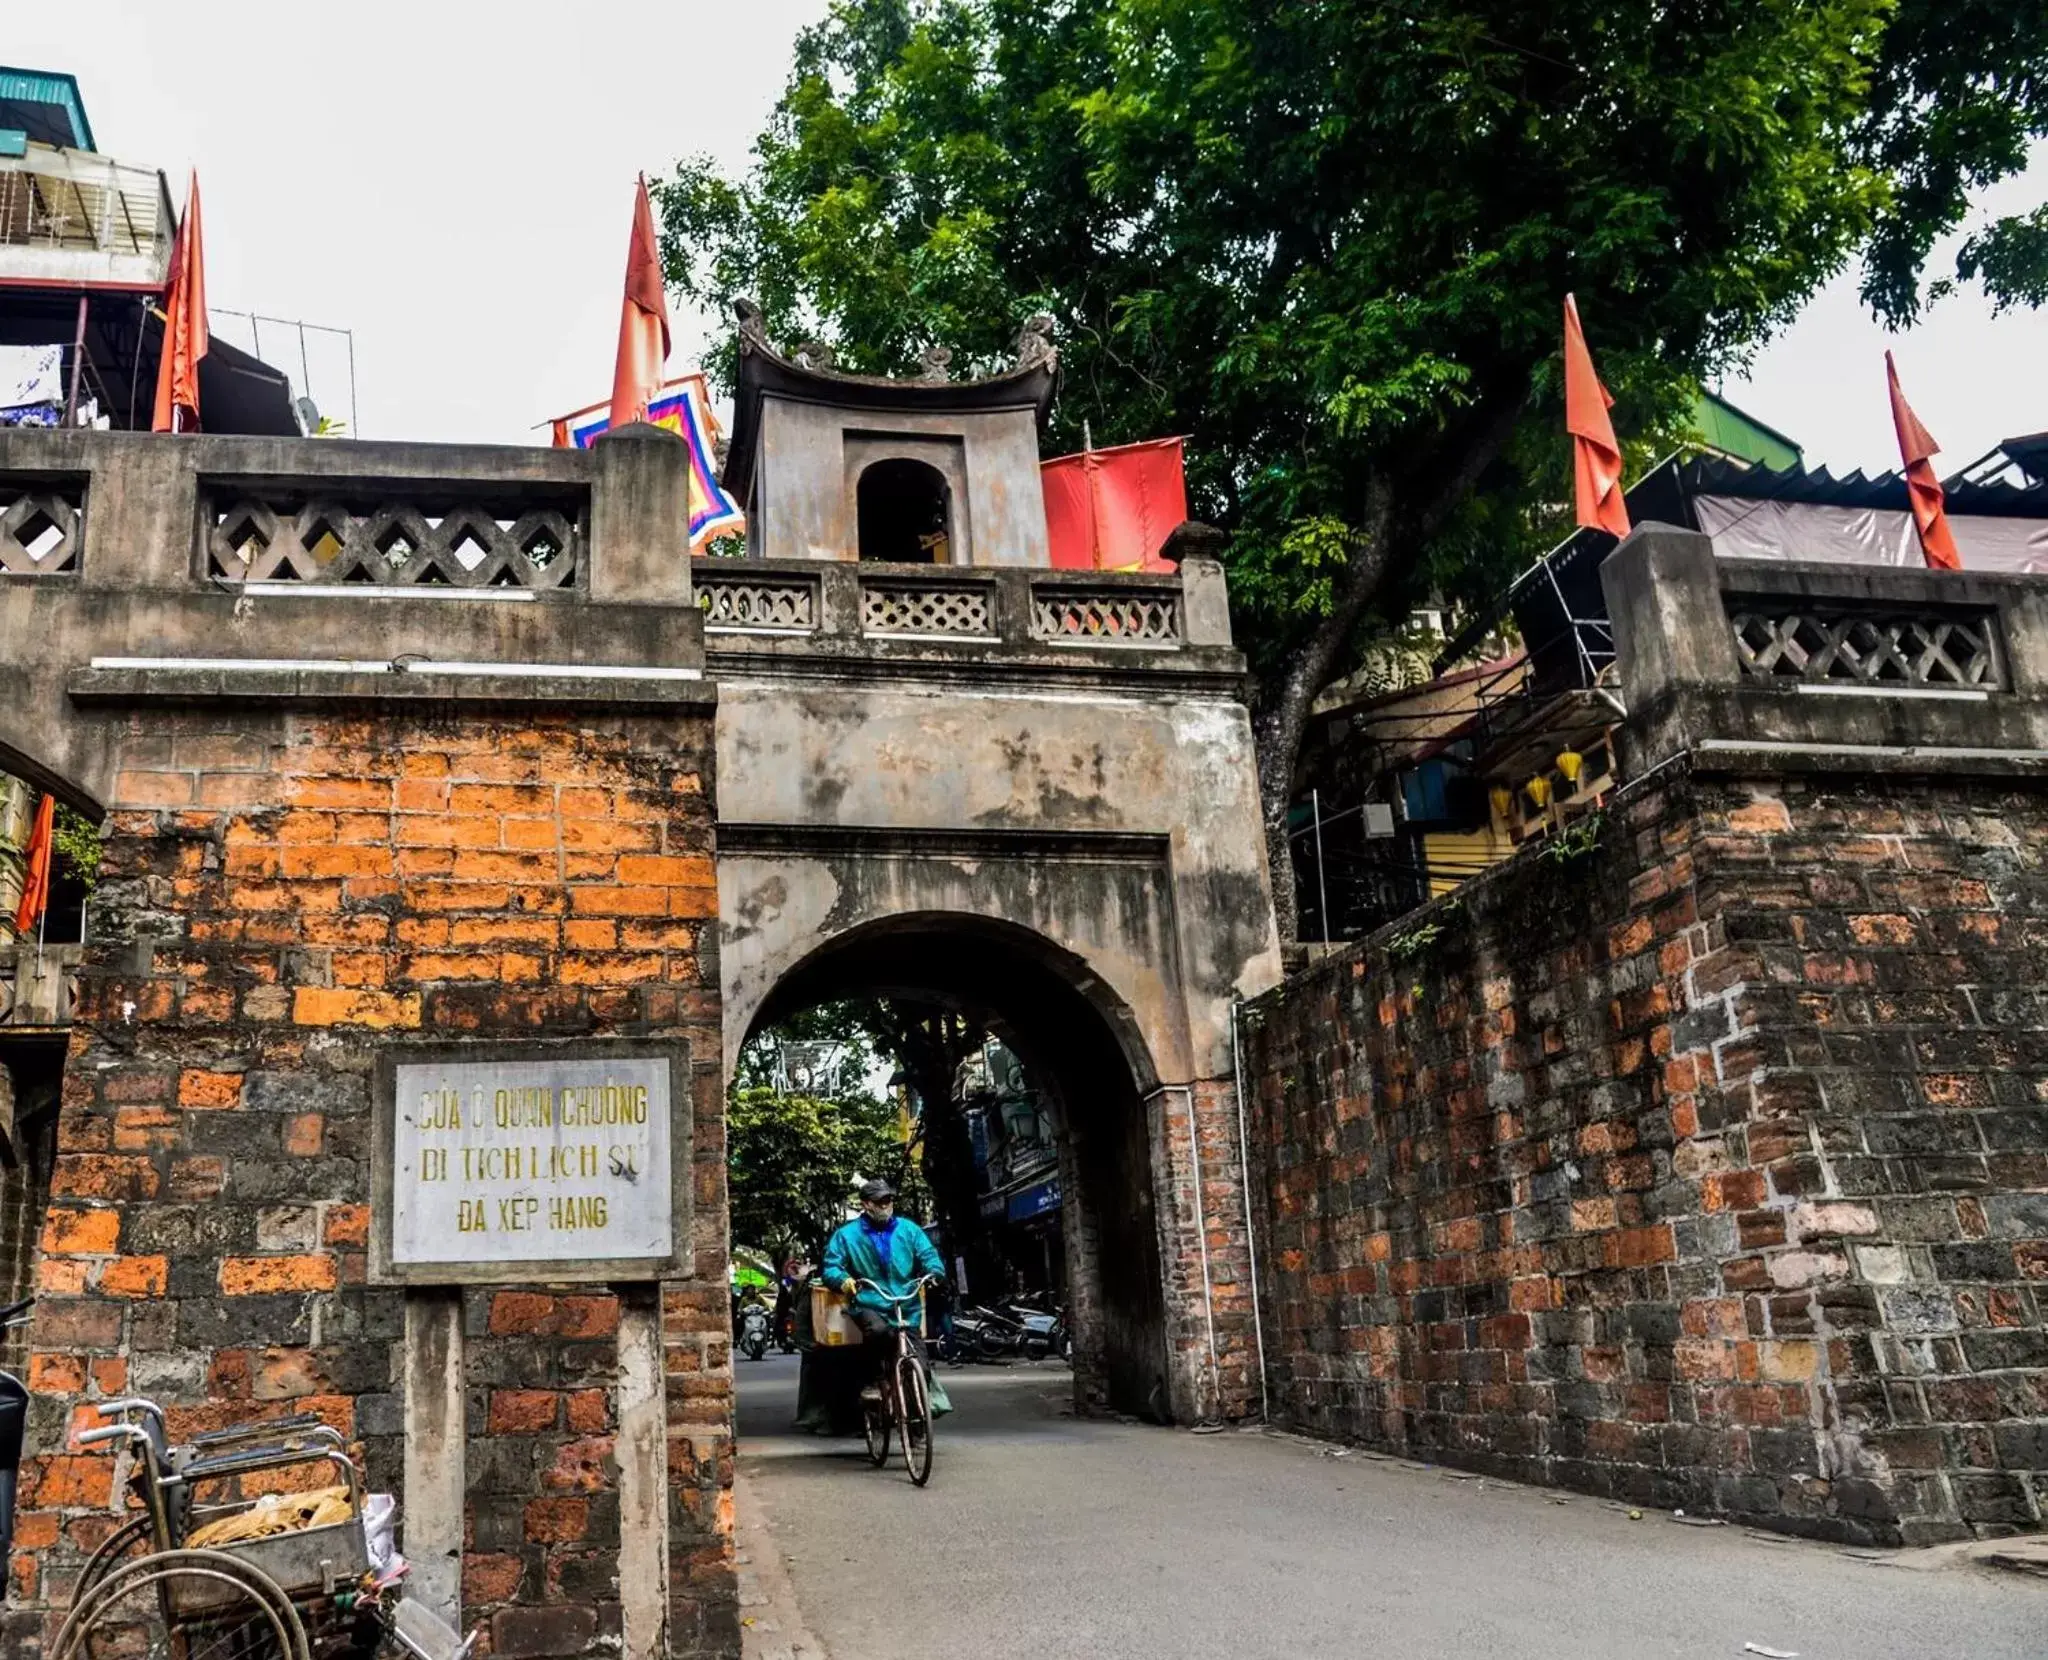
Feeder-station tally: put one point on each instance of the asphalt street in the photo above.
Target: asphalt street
(1048, 1537)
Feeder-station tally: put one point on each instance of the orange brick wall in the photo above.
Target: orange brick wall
(285, 896)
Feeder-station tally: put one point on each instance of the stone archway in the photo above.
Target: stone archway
(1081, 1044)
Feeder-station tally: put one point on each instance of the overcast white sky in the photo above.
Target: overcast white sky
(452, 181)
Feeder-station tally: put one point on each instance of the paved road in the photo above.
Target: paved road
(1042, 1538)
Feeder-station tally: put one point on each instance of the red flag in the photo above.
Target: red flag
(185, 337)
(643, 322)
(35, 882)
(1917, 449)
(1113, 509)
(1596, 457)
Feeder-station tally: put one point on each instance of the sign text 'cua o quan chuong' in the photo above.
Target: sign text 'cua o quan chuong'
(513, 1164)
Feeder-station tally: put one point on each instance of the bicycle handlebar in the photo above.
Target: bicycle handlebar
(125, 1405)
(923, 1280)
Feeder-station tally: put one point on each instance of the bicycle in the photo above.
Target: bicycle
(905, 1403)
(185, 1579)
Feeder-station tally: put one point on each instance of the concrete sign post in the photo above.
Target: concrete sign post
(548, 1161)
(533, 1164)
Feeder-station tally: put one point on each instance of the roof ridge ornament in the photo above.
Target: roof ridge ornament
(816, 356)
(1034, 340)
(752, 323)
(936, 362)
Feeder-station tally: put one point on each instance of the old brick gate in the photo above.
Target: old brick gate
(402, 746)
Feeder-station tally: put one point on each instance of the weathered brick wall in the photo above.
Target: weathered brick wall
(285, 895)
(1707, 1169)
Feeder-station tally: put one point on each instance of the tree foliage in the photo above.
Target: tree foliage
(794, 1162)
(1328, 239)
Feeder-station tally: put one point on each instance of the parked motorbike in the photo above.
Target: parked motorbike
(13, 1424)
(1041, 1331)
(755, 1320)
(977, 1333)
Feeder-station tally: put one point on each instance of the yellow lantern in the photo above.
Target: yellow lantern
(1538, 792)
(1502, 798)
(1571, 763)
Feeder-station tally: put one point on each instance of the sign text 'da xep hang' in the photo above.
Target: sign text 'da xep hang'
(531, 1162)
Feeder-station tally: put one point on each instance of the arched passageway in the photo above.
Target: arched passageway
(904, 510)
(1082, 1049)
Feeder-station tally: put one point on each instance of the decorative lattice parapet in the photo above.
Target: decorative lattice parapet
(1106, 616)
(41, 524)
(403, 541)
(254, 563)
(741, 601)
(936, 608)
(1864, 649)
(1776, 665)
(1000, 619)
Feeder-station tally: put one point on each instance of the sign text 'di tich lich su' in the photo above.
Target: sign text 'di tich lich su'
(531, 1162)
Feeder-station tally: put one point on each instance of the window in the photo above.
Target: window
(904, 509)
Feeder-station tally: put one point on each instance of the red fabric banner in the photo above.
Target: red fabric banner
(1596, 457)
(1112, 510)
(35, 884)
(1918, 449)
(643, 320)
(185, 336)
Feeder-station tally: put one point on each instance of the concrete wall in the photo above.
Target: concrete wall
(143, 589)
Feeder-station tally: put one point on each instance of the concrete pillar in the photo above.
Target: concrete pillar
(435, 1448)
(640, 517)
(642, 1452)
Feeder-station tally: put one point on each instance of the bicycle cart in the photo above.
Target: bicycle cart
(209, 1571)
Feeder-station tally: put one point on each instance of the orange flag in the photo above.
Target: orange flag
(643, 323)
(35, 884)
(185, 339)
(1917, 449)
(1596, 457)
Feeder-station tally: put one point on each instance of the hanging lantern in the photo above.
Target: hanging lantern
(1538, 792)
(1571, 763)
(1502, 798)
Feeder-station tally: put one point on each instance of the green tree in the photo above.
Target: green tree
(794, 1161)
(1328, 240)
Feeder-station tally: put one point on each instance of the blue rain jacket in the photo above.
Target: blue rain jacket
(893, 1257)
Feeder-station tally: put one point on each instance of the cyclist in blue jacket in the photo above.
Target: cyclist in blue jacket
(891, 1252)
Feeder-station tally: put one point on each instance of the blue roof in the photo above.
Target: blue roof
(46, 106)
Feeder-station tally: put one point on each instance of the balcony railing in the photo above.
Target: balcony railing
(70, 216)
(38, 984)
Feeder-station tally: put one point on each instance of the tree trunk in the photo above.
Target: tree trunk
(1282, 720)
(929, 1043)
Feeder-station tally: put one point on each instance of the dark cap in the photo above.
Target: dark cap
(874, 1192)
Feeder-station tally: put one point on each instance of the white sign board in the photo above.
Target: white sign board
(519, 1169)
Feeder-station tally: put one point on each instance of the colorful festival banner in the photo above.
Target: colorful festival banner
(684, 408)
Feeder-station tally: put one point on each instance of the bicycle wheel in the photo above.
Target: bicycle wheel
(130, 1539)
(916, 1397)
(875, 1423)
(192, 1604)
